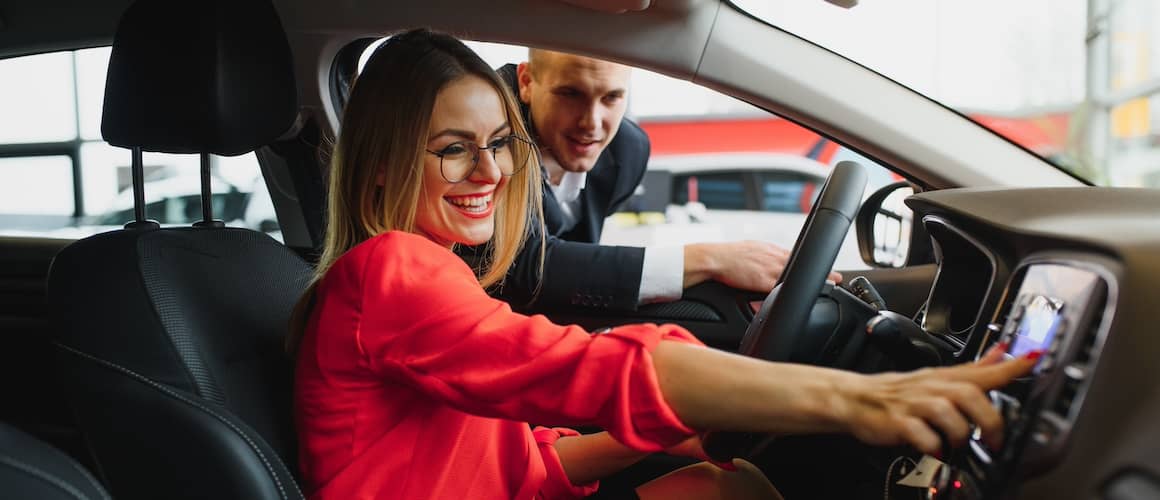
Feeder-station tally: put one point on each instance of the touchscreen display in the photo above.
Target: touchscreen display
(1038, 325)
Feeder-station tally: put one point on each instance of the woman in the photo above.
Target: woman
(412, 383)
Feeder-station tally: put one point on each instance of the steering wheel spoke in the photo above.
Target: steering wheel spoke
(779, 325)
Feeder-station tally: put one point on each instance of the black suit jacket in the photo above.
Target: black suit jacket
(577, 271)
(610, 183)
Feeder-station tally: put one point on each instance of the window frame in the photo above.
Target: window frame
(70, 148)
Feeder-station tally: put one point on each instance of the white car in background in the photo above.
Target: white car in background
(176, 201)
(720, 197)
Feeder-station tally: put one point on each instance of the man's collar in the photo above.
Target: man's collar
(568, 190)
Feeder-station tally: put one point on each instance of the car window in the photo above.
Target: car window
(724, 191)
(59, 179)
(720, 169)
(1072, 81)
(788, 192)
(182, 209)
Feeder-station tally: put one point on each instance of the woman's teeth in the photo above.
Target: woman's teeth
(470, 203)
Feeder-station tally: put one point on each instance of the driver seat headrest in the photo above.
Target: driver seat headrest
(188, 76)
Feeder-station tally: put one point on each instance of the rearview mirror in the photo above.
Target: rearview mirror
(884, 225)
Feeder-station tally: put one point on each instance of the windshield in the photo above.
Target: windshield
(1078, 93)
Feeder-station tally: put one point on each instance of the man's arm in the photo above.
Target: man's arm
(748, 265)
(574, 274)
(610, 277)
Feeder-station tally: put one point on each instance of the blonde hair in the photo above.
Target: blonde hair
(376, 170)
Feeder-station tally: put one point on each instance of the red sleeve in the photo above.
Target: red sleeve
(557, 484)
(427, 322)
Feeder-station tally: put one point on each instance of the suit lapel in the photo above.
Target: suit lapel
(553, 218)
(594, 201)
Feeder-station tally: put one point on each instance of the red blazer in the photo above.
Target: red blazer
(412, 382)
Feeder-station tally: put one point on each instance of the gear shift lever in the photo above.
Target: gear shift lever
(863, 289)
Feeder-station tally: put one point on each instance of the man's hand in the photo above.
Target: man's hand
(747, 265)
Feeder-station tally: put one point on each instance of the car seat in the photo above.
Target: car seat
(32, 469)
(169, 340)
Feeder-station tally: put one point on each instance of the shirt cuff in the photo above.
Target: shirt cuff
(557, 484)
(662, 277)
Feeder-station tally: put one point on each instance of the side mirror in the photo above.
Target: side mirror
(884, 226)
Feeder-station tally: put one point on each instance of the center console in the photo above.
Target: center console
(1062, 308)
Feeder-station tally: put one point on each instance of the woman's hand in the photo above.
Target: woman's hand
(914, 407)
(711, 389)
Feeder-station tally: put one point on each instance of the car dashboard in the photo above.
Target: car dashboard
(1069, 271)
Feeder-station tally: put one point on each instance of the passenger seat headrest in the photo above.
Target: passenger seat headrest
(193, 76)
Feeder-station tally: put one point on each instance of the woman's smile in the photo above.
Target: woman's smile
(476, 206)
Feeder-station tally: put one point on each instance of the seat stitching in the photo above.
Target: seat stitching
(43, 475)
(166, 390)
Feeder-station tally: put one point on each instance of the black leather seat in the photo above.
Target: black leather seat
(170, 340)
(31, 469)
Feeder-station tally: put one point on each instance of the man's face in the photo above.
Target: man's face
(576, 105)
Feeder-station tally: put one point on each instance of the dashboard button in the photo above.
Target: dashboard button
(994, 330)
(1074, 372)
(1046, 430)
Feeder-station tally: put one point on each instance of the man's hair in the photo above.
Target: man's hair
(537, 58)
(376, 171)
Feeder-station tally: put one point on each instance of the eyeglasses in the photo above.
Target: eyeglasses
(458, 160)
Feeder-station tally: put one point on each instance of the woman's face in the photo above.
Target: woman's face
(468, 110)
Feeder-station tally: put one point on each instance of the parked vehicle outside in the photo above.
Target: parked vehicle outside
(714, 197)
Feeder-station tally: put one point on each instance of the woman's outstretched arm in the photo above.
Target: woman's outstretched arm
(591, 457)
(711, 390)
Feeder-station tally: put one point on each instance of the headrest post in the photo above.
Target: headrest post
(206, 191)
(207, 196)
(138, 170)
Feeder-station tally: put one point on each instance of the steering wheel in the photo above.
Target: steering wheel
(779, 324)
(777, 329)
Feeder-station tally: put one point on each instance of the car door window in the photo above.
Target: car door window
(58, 177)
(788, 192)
(722, 191)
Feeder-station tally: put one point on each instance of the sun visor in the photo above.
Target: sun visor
(207, 76)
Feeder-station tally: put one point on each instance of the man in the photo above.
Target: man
(593, 160)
